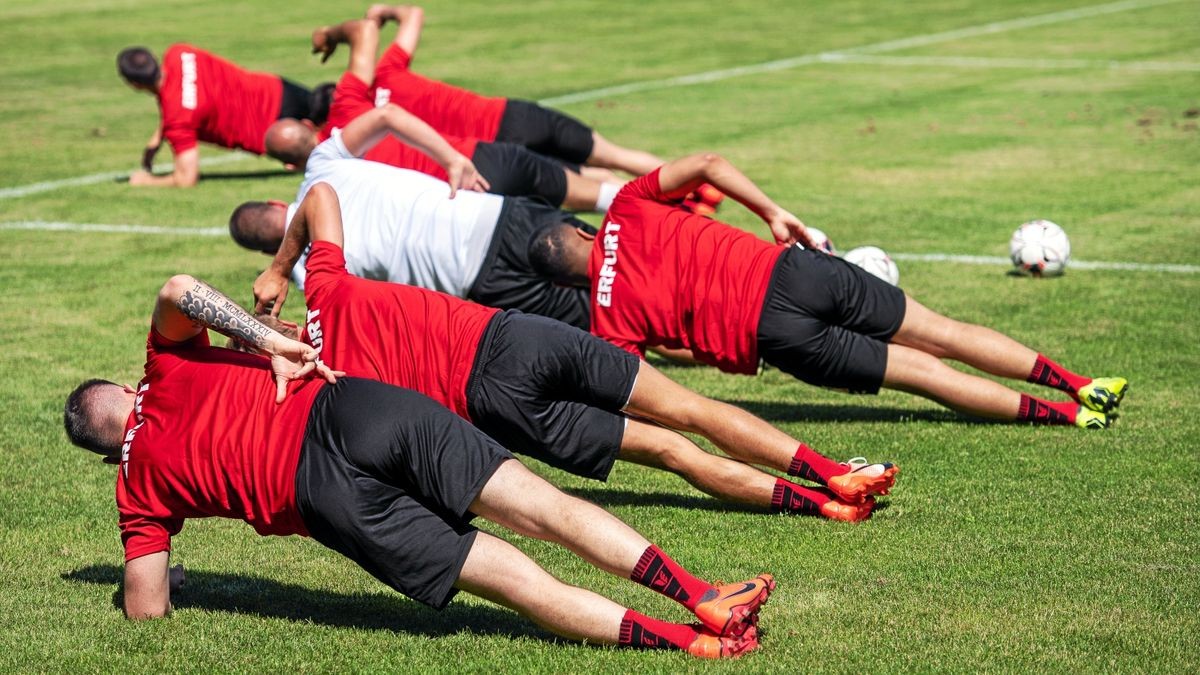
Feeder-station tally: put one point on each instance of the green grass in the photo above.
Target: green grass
(1004, 548)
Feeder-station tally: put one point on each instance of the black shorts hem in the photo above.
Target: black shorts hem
(295, 101)
(446, 590)
(545, 131)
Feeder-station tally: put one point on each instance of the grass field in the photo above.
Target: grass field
(1004, 548)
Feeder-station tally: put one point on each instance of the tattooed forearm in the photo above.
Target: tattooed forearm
(209, 308)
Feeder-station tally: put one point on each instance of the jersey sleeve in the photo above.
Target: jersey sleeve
(394, 60)
(648, 187)
(142, 535)
(351, 98)
(181, 136)
(324, 268)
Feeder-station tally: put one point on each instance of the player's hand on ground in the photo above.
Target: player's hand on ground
(175, 578)
(788, 229)
(141, 177)
(270, 291)
(322, 44)
(148, 157)
(292, 360)
(462, 175)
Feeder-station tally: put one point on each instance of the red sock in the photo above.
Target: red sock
(1048, 373)
(656, 571)
(1046, 412)
(791, 498)
(644, 632)
(812, 465)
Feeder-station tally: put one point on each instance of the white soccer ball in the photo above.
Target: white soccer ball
(876, 261)
(1040, 247)
(821, 241)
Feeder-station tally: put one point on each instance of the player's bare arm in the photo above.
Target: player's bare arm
(368, 129)
(680, 177)
(185, 174)
(410, 17)
(319, 218)
(148, 586)
(363, 37)
(151, 150)
(186, 306)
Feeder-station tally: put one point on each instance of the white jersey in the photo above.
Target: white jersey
(401, 225)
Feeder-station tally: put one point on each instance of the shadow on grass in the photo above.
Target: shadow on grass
(837, 412)
(243, 594)
(613, 497)
(240, 175)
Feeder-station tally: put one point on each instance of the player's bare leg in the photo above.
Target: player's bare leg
(497, 571)
(600, 174)
(586, 194)
(736, 432)
(977, 346)
(651, 445)
(920, 373)
(609, 155)
(523, 502)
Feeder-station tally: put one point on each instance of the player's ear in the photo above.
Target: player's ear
(589, 236)
(309, 123)
(109, 459)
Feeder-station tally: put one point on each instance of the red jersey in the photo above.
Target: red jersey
(449, 109)
(664, 277)
(207, 439)
(402, 335)
(204, 97)
(352, 98)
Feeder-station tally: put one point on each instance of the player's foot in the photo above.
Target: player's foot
(1086, 418)
(1103, 394)
(836, 509)
(733, 608)
(863, 480)
(698, 207)
(709, 645)
(709, 194)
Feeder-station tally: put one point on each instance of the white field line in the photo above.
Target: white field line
(44, 226)
(1002, 62)
(888, 46)
(1073, 264)
(92, 179)
(708, 76)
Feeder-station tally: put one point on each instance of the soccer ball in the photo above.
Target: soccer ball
(874, 260)
(821, 241)
(1040, 247)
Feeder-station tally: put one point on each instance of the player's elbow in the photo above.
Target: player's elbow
(176, 286)
(361, 29)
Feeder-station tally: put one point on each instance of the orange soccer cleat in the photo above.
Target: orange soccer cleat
(709, 645)
(863, 480)
(733, 608)
(836, 509)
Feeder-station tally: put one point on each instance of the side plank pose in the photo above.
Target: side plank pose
(541, 387)
(510, 169)
(660, 276)
(457, 111)
(383, 475)
(403, 226)
(203, 97)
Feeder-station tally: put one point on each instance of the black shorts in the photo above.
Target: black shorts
(514, 170)
(828, 322)
(507, 280)
(545, 131)
(386, 477)
(551, 391)
(295, 101)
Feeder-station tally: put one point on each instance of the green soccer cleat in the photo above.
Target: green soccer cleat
(1103, 394)
(1087, 418)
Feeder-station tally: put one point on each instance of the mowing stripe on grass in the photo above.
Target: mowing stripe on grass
(45, 226)
(92, 179)
(1002, 62)
(700, 78)
(888, 46)
(1074, 264)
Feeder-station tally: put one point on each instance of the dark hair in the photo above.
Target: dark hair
(320, 99)
(547, 252)
(138, 65)
(250, 227)
(80, 420)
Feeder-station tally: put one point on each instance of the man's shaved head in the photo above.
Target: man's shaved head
(259, 226)
(138, 66)
(560, 252)
(94, 416)
(291, 141)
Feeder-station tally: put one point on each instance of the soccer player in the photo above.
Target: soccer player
(509, 168)
(543, 388)
(460, 112)
(402, 226)
(203, 97)
(662, 276)
(383, 475)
